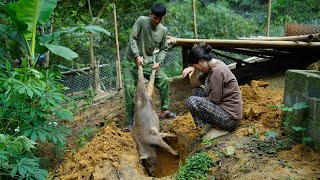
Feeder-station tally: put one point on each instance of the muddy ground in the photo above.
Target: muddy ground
(111, 153)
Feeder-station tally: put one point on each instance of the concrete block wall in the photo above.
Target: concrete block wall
(303, 86)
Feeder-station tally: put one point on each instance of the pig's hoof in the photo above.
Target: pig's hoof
(176, 153)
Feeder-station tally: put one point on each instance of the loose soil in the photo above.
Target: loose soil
(112, 154)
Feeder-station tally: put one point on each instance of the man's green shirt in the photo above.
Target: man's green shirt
(148, 41)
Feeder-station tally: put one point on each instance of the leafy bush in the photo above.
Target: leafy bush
(196, 167)
(294, 130)
(31, 111)
(17, 160)
(84, 135)
(215, 20)
(296, 133)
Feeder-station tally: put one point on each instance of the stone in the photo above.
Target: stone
(228, 151)
(214, 133)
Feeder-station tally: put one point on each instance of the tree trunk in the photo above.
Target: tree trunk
(95, 67)
(94, 64)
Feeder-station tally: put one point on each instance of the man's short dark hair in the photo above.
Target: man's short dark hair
(159, 9)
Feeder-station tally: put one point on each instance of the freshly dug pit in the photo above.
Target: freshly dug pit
(112, 154)
(169, 164)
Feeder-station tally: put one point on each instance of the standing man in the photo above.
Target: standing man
(147, 46)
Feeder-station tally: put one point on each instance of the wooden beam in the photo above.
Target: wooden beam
(304, 38)
(247, 43)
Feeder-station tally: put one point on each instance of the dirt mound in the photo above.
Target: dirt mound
(111, 154)
(257, 106)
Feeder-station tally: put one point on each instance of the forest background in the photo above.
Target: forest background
(216, 19)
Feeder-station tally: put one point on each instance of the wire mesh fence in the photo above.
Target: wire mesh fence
(81, 84)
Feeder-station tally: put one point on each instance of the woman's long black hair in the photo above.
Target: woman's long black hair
(200, 52)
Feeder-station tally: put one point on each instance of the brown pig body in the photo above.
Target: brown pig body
(145, 129)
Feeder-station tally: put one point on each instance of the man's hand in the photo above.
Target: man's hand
(156, 66)
(188, 71)
(139, 60)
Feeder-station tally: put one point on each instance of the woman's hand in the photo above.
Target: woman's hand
(188, 71)
(139, 60)
(156, 66)
(193, 74)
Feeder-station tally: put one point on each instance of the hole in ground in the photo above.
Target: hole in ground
(168, 164)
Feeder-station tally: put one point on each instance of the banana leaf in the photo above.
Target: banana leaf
(13, 35)
(62, 51)
(48, 38)
(11, 10)
(33, 11)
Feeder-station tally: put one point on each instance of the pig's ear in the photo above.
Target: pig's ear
(143, 157)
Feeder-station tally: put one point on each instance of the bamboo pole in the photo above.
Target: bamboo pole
(304, 38)
(269, 17)
(248, 43)
(194, 19)
(119, 77)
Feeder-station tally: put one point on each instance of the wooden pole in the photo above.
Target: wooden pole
(268, 20)
(304, 38)
(119, 77)
(248, 43)
(194, 19)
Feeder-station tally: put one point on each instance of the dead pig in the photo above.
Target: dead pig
(145, 129)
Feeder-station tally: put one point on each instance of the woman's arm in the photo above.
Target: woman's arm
(193, 74)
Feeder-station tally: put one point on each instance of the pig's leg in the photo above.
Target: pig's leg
(150, 85)
(141, 150)
(157, 140)
(163, 135)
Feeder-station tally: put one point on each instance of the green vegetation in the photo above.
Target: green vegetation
(294, 132)
(31, 113)
(221, 19)
(23, 30)
(84, 135)
(196, 167)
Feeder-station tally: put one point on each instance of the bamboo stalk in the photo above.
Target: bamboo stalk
(304, 38)
(268, 20)
(248, 43)
(194, 19)
(119, 77)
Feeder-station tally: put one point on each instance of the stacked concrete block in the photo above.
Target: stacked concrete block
(303, 86)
